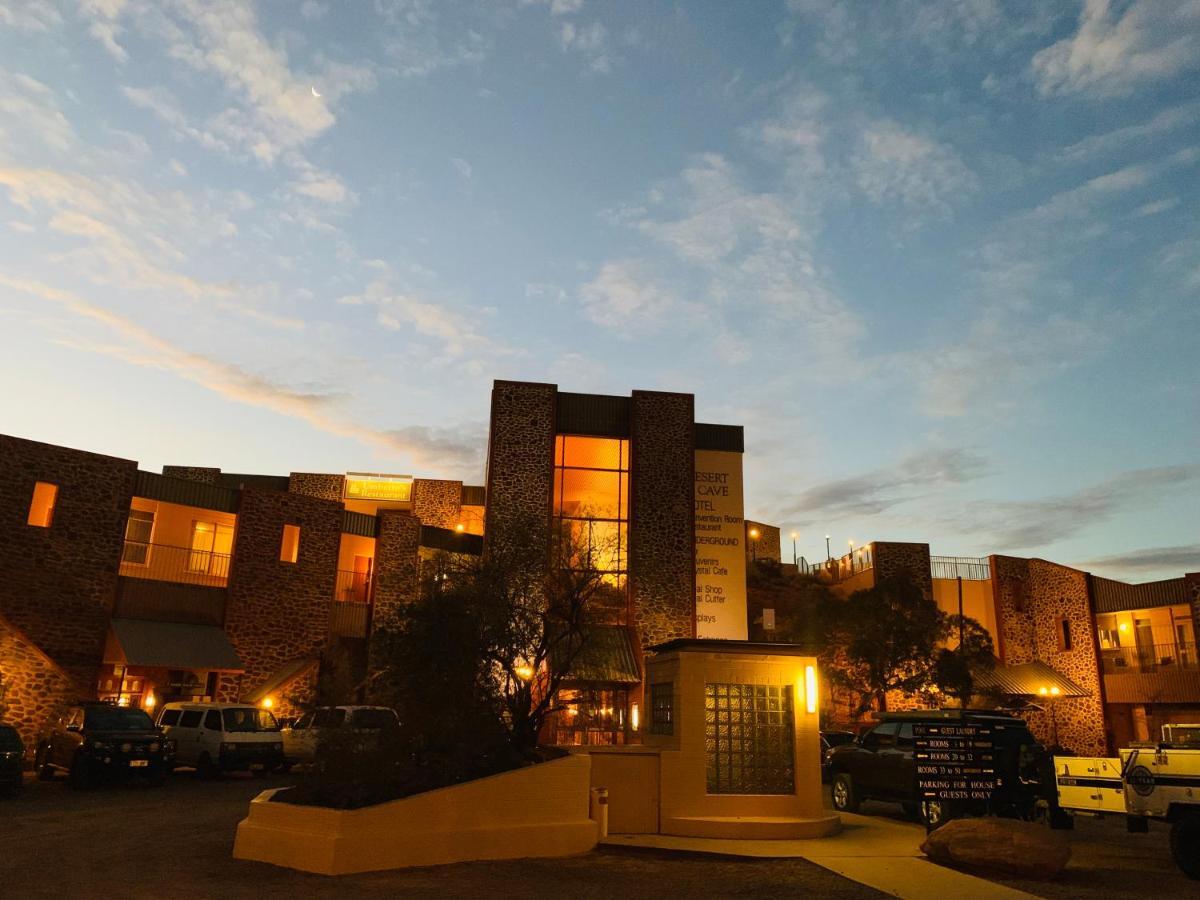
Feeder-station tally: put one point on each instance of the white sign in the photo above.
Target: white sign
(720, 553)
(768, 620)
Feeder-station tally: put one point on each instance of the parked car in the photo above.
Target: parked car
(301, 739)
(880, 765)
(12, 760)
(829, 740)
(95, 739)
(223, 737)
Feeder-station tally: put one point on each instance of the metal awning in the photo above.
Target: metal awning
(280, 678)
(607, 656)
(1027, 680)
(170, 645)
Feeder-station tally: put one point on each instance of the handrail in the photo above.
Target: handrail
(162, 562)
(352, 587)
(1149, 658)
(968, 568)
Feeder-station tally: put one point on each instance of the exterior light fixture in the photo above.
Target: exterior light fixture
(267, 703)
(1043, 690)
(810, 688)
(524, 672)
(1054, 691)
(754, 533)
(149, 700)
(634, 718)
(460, 527)
(1124, 626)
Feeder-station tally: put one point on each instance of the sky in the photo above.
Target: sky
(941, 260)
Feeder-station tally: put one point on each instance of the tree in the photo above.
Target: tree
(956, 669)
(886, 637)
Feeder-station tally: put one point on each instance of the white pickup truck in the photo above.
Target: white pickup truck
(1151, 781)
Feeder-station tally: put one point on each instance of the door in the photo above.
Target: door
(66, 740)
(899, 768)
(211, 735)
(871, 765)
(633, 792)
(1144, 635)
(362, 575)
(187, 737)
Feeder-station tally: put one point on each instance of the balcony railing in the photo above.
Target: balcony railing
(1150, 658)
(841, 568)
(352, 587)
(968, 568)
(160, 562)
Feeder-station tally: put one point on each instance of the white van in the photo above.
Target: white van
(223, 737)
(300, 740)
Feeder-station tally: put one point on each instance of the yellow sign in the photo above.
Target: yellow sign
(370, 486)
(720, 554)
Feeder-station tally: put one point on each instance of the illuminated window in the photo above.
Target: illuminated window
(212, 544)
(662, 711)
(748, 738)
(138, 530)
(591, 501)
(289, 549)
(41, 507)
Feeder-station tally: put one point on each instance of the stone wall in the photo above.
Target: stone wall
(278, 612)
(58, 584)
(317, 484)
(202, 474)
(662, 539)
(766, 546)
(1191, 583)
(520, 471)
(895, 558)
(32, 688)
(437, 502)
(1031, 596)
(397, 570)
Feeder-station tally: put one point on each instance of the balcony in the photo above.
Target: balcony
(180, 565)
(1158, 673)
(968, 568)
(351, 608)
(1149, 658)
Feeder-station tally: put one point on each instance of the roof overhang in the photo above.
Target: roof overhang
(170, 645)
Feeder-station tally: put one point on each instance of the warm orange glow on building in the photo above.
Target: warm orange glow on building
(591, 498)
(289, 549)
(41, 507)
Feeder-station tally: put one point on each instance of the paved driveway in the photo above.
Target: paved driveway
(137, 842)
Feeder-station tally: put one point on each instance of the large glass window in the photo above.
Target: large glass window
(748, 738)
(593, 715)
(138, 529)
(591, 502)
(662, 708)
(212, 544)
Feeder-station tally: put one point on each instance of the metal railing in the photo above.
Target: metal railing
(352, 587)
(968, 568)
(841, 568)
(160, 562)
(1149, 658)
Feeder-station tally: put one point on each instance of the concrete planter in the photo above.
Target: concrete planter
(540, 811)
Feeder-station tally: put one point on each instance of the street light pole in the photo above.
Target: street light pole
(795, 558)
(828, 555)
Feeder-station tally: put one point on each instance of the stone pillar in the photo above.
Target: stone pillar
(278, 611)
(202, 474)
(436, 502)
(317, 484)
(893, 558)
(397, 571)
(520, 474)
(662, 551)
(1191, 584)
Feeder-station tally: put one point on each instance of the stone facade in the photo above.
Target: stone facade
(317, 484)
(662, 539)
(520, 455)
(1032, 597)
(278, 612)
(58, 584)
(437, 502)
(33, 689)
(766, 546)
(202, 474)
(892, 558)
(397, 568)
(1191, 582)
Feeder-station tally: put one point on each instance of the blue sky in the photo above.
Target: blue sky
(941, 260)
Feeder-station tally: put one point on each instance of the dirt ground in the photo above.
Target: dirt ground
(120, 842)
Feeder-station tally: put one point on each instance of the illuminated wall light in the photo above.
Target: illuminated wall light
(460, 527)
(267, 703)
(149, 700)
(810, 688)
(634, 719)
(524, 672)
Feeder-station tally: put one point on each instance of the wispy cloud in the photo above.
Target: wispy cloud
(1135, 565)
(30, 116)
(1118, 47)
(29, 15)
(1032, 524)
(872, 493)
(894, 164)
(626, 296)
(1164, 122)
(432, 448)
(590, 40)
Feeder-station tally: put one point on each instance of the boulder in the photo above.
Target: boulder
(1003, 845)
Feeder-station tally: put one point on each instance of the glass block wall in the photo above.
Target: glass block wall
(748, 732)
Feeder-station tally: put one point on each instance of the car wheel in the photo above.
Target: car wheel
(1185, 845)
(81, 778)
(934, 813)
(41, 764)
(844, 794)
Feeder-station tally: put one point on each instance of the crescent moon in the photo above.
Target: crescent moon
(314, 91)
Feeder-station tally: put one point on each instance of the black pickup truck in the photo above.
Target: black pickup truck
(880, 765)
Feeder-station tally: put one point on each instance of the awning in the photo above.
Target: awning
(1028, 680)
(280, 678)
(170, 645)
(608, 656)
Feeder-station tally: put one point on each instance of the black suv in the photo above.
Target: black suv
(879, 765)
(95, 739)
(12, 760)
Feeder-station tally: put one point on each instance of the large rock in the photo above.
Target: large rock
(1006, 845)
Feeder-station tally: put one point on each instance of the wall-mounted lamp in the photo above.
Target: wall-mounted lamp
(267, 703)
(810, 688)
(149, 700)
(634, 718)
